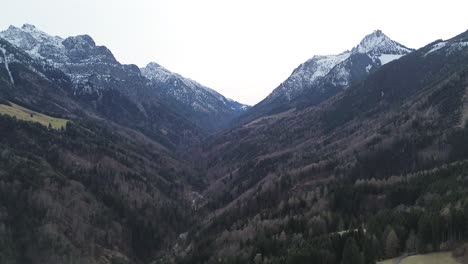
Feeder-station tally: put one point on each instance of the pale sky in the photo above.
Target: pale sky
(241, 48)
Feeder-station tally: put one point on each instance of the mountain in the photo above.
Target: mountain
(94, 71)
(94, 190)
(324, 76)
(196, 101)
(386, 155)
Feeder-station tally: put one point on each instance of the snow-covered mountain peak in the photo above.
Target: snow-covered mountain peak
(319, 73)
(378, 43)
(37, 43)
(29, 37)
(57, 51)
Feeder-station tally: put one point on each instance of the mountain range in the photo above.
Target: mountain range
(94, 71)
(355, 158)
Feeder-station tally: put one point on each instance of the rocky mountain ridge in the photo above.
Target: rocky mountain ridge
(93, 70)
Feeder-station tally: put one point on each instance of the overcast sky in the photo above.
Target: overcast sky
(241, 48)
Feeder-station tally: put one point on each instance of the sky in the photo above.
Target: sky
(242, 48)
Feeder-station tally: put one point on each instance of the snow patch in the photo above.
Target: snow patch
(341, 76)
(6, 64)
(461, 44)
(386, 58)
(436, 47)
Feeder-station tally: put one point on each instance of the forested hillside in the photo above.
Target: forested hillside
(371, 173)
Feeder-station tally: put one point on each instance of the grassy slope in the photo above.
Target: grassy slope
(28, 115)
(432, 258)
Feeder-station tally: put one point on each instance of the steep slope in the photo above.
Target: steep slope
(324, 76)
(102, 85)
(209, 108)
(95, 73)
(39, 85)
(383, 154)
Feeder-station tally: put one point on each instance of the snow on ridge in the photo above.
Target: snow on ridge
(323, 64)
(436, 47)
(154, 71)
(450, 46)
(158, 73)
(309, 72)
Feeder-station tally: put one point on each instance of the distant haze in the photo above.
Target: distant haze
(243, 49)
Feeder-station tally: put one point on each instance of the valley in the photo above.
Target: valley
(156, 168)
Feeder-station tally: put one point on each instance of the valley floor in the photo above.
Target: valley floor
(432, 258)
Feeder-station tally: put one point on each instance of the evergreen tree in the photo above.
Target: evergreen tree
(371, 250)
(391, 244)
(351, 253)
(436, 232)
(424, 232)
(411, 242)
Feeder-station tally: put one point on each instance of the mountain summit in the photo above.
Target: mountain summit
(378, 43)
(323, 76)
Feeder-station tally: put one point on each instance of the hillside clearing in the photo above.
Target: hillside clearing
(31, 116)
(432, 258)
